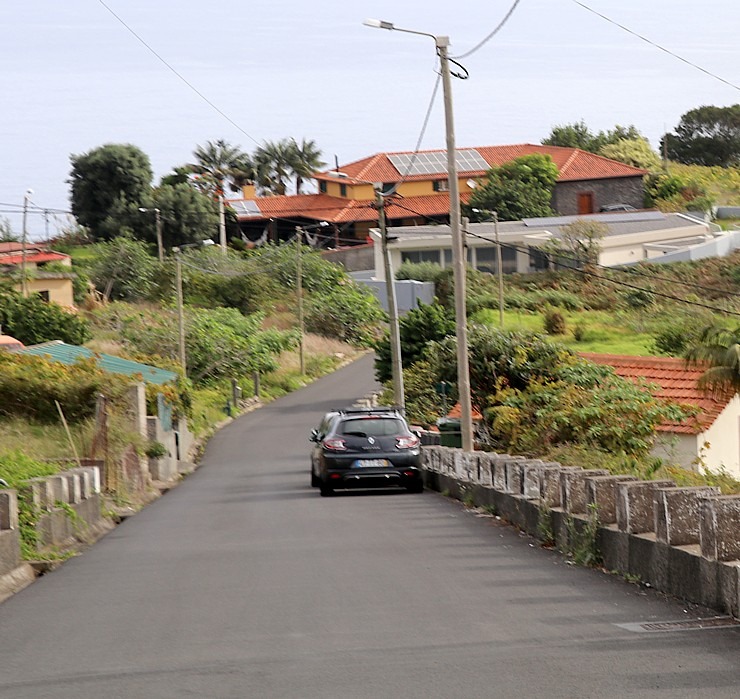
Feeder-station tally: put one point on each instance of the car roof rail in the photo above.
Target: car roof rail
(366, 411)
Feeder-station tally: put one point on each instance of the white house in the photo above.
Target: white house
(631, 237)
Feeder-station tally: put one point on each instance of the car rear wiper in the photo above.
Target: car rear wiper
(356, 434)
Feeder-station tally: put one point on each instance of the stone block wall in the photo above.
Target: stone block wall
(68, 506)
(682, 541)
(10, 549)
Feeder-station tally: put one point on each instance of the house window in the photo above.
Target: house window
(486, 259)
(44, 296)
(441, 185)
(342, 190)
(388, 187)
(322, 186)
(420, 256)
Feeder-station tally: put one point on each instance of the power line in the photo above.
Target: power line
(178, 74)
(492, 34)
(657, 46)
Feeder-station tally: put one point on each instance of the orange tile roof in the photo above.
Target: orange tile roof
(18, 246)
(323, 207)
(456, 412)
(677, 383)
(32, 257)
(574, 164)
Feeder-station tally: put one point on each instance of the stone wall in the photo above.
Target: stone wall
(68, 507)
(682, 541)
(622, 190)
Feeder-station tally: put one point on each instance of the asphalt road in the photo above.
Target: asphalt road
(244, 582)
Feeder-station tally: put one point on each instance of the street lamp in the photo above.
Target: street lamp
(458, 254)
(399, 395)
(180, 303)
(158, 220)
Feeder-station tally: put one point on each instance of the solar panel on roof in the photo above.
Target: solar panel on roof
(435, 163)
(246, 207)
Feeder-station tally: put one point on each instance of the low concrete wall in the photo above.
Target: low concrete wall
(682, 541)
(68, 507)
(10, 549)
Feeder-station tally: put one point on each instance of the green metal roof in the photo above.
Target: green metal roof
(58, 351)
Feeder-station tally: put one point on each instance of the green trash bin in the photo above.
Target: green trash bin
(450, 434)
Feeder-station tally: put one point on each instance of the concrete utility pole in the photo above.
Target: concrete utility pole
(299, 299)
(158, 224)
(499, 272)
(390, 287)
(180, 311)
(458, 255)
(24, 243)
(458, 252)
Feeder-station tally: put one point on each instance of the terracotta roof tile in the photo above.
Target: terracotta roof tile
(675, 381)
(32, 257)
(574, 164)
(323, 207)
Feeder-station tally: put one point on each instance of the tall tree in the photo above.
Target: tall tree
(108, 185)
(519, 189)
(187, 215)
(219, 164)
(274, 164)
(7, 235)
(633, 151)
(706, 136)
(578, 135)
(306, 160)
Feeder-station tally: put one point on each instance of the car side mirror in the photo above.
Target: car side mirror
(314, 436)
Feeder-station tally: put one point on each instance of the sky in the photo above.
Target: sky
(75, 78)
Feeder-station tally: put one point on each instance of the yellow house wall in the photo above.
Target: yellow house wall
(60, 290)
(416, 188)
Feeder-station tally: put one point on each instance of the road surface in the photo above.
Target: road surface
(244, 582)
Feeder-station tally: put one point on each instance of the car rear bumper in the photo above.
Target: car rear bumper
(404, 477)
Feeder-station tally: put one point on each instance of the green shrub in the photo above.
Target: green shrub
(554, 322)
(421, 271)
(33, 321)
(30, 386)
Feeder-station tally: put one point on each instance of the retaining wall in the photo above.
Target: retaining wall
(682, 541)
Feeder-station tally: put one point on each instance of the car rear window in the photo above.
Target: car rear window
(372, 427)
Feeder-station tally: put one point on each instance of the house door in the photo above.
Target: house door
(585, 203)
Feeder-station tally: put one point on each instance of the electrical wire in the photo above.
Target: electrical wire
(657, 46)
(179, 75)
(500, 26)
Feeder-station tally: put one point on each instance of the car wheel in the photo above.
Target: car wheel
(326, 490)
(416, 487)
(315, 480)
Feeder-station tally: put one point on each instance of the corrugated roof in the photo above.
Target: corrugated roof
(59, 351)
(677, 383)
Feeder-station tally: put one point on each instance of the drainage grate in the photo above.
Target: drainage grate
(717, 622)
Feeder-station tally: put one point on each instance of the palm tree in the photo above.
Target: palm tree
(306, 160)
(718, 349)
(274, 165)
(219, 164)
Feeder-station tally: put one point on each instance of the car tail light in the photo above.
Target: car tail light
(335, 444)
(407, 442)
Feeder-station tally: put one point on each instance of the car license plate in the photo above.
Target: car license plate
(370, 463)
